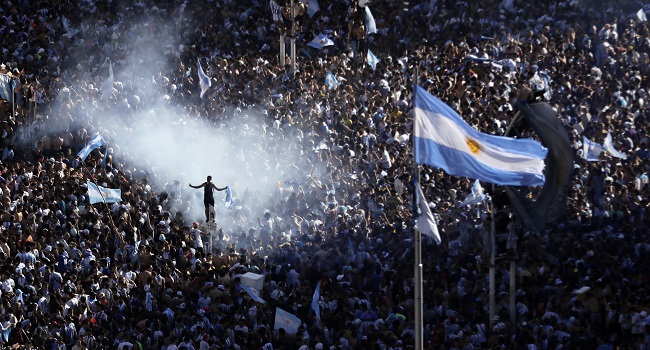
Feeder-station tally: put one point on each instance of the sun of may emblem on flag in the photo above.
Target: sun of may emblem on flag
(473, 145)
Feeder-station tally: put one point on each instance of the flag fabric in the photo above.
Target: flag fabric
(7, 86)
(609, 147)
(477, 196)
(312, 7)
(314, 302)
(331, 81)
(95, 142)
(641, 15)
(105, 159)
(204, 80)
(320, 42)
(107, 86)
(253, 293)
(287, 321)
(425, 222)
(372, 60)
(228, 200)
(591, 150)
(444, 140)
(371, 26)
(99, 194)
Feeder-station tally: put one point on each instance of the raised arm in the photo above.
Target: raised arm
(217, 188)
(199, 186)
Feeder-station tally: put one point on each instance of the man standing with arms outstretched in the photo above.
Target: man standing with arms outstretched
(208, 196)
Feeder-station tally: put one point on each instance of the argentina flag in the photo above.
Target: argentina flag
(7, 86)
(443, 140)
(312, 7)
(253, 293)
(287, 321)
(591, 150)
(372, 60)
(228, 200)
(331, 81)
(99, 194)
(95, 142)
(320, 42)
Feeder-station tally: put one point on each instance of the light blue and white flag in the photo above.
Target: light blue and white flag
(425, 222)
(312, 7)
(609, 147)
(95, 142)
(99, 194)
(7, 86)
(287, 321)
(591, 150)
(641, 15)
(443, 140)
(320, 41)
(228, 200)
(331, 81)
(477, 196)
(371, 26)
(107, 85)
(204, 80)
(372, 60)
(253, 293)
(314, 302)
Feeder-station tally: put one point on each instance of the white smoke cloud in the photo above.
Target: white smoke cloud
(146, 132)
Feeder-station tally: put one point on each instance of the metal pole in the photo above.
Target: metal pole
(513, 273)
(13, 98)
(419, 309)
(293, 38)
(493, 254)
(282, 51)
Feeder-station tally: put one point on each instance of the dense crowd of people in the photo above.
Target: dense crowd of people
(144, 273)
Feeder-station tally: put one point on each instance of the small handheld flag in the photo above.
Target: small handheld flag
(204, 80)
(228, 200)
(609, 147)
(372, 60)
(425, 223)
(477, 195)
(320, 42)
(287, 321)
(331, 81)
(95, 142)
(371, 27)
(591, 150)
(99, 194)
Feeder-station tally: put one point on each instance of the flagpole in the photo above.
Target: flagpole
(513, 271)
(293, 38)
(493, 252)
(419, 339)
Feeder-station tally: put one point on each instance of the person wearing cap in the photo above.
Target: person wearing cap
(208, 196)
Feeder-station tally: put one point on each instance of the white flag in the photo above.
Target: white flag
(425, 222)
(204, 80)
(641, 15)
(609, 147)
